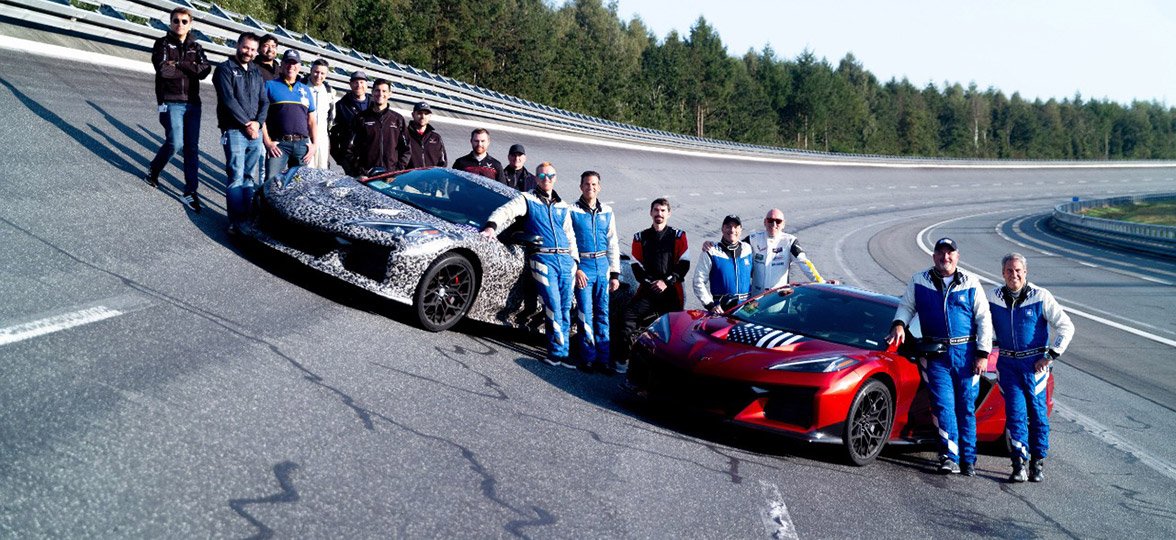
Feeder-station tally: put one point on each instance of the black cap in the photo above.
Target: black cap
(422, 106)
(947, 243)
(291, 55)
(732, 219)
(516, 149)
(358, 75)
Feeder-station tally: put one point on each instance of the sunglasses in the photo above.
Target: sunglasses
(773, 220)
(181, 21)
(545, 176)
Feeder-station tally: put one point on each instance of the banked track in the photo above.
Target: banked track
(195, 385)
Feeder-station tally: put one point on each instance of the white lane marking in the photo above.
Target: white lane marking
(694, 194)
(1020, 228)
(639, 198)
(56, 323)
(983, 276)
(610, 203)
(1104, 434)
(777, 520)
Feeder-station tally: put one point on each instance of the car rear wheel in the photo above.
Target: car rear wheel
(868, 426)
(446, 292)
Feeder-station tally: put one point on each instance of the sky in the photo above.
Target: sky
(1122, 50)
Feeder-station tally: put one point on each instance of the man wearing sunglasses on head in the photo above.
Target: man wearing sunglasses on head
(553, 262)
(774, 252)
(179, 65)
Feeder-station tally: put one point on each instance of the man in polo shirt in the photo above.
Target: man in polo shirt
(289, 126)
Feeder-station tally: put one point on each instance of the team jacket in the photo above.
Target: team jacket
(520, 179)
(548, 217)
(770, 264)
(724, 274)
(660, 257)
(596, 236)
(178, 81)
(379, 141)
(487, 166)
(954, 311)
(425, 149)
(241, 96)
(1029, 324)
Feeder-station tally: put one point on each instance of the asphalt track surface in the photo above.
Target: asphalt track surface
(171, 383)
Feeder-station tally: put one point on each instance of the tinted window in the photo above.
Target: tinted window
(823, 314)
(443, 194)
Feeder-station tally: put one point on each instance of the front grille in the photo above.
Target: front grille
(791, 405)
(710, 394)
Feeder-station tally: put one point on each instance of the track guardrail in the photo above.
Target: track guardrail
(1157, 239)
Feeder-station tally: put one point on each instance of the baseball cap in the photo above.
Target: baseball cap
(422, 106)
(947, 243)
(517, 149)
(733, 219)
(291, 55)
(358, 75)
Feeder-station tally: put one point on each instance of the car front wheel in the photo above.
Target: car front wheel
(446, 292)
(868, 426)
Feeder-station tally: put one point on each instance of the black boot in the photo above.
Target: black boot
(1019, 474)
(1036, 474)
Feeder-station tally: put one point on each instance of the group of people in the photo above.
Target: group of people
(1032, 331)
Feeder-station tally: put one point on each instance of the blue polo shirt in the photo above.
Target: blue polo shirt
(290, 106)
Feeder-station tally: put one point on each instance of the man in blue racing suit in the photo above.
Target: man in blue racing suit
(953, 310)
(600, 270)
(723, 278)
(1031, 330)
(554, 262)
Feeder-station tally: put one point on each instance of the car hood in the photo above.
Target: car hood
(735, 344)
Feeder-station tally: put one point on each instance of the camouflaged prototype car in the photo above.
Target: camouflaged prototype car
(411, 236)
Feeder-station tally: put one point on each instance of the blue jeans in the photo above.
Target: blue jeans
(181, 127)
(292, 154)
(242, 157)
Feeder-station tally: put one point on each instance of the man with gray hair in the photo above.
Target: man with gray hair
(1032, 331)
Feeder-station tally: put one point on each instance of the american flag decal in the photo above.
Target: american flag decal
(761, 336)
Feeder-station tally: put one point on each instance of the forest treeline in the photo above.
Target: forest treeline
(582, 57)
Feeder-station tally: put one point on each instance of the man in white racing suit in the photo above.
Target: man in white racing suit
(773, 254)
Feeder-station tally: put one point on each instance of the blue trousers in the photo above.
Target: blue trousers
(592, 342)
(953, 403)
(1026, 418)
(242, 158)
(553, 277)
(181, 128)
(292, 154)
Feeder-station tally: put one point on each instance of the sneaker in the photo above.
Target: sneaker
(151, 180)
(1036, 472)
(968, 469)
(947, 466)
(1019, 474)
(192, 201)
(551, 361)
(622, 367)
(565, 362)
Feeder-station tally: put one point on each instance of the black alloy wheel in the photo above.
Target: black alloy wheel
(870, 418)
(446, 292)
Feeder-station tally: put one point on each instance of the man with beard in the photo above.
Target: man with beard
(241, 108)
(179, 65)
(660, 264)
(289, 128)
(267, 58)
(347, 109)
(953, 310)
(478, 161)
(425, 147)
(378, 139)
(516, 174)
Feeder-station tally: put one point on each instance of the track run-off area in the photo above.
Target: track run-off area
(162, 380)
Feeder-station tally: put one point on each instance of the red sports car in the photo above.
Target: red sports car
(807, 361)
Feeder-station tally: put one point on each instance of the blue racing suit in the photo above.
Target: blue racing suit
(600, 260)
(553, 264)
(723, 277)
(1029, 325)
(953, 312)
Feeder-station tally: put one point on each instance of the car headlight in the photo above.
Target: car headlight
(660, 329)
(404, 230)
(825, 364)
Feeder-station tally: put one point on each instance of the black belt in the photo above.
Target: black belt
(293, 138)
(557, 251)
(954, 340)
(1024, 354)
(593, 255)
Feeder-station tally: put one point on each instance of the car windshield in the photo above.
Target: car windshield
(444, 194)
(822, 313)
